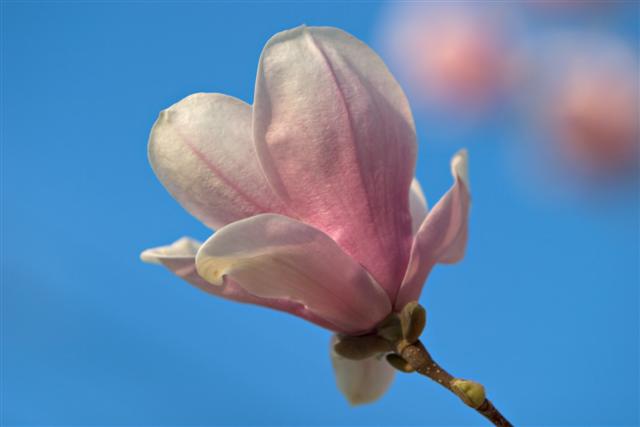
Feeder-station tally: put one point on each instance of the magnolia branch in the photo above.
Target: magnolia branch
(471, 393)
(398, 338)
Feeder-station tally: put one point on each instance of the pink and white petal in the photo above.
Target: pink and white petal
(361, 381)
(180, 258)
(336, 139)
(273, 256)
(442, 237)
(417, 205)
(173, 256)
(202, 150)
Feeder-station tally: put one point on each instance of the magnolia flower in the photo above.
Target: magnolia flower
(311, 192)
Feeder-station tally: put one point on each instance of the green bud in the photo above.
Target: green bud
(362, 347)
(390, 328)
(470, 392)
(413, 318)
(399, 363)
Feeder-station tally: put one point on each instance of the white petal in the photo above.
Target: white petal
(202, 150)
(180, 258)
(272, 256)
(184, 247)
(362, 381)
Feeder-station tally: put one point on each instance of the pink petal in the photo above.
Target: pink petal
(417, 205)
(336, 139)
(273, 256)
(180, 258)
(361, 381)
(202, 150)
(442, 237)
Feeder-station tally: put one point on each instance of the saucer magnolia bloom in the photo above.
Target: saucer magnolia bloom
(311, 192)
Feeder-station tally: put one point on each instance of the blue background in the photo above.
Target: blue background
(543, 310)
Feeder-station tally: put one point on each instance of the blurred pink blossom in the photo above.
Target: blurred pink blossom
(573, 6)
(586, 100)
(452, 54)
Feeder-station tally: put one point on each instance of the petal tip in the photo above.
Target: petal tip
(460, 168)
(184, 247)
(359, 400)
(149, 256)
(164, 115)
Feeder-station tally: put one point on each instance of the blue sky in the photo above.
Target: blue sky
(543, 310)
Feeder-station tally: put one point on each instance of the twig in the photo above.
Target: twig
(469, 392)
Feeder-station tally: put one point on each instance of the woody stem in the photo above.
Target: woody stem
(420, 359)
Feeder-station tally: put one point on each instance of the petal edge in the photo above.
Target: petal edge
(179, 258)
(442, 237)
(273, 256)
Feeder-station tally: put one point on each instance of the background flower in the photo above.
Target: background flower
(452, 55)
(583, 98)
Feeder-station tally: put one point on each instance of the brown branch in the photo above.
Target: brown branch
(420, 359)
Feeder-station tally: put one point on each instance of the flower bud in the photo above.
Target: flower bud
(470, 392)
(399, 363)
(413, 318)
